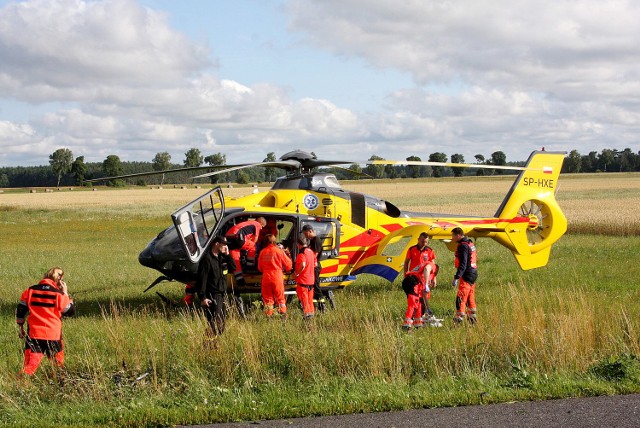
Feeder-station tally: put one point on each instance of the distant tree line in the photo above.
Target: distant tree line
(65, 170)
(608, 160)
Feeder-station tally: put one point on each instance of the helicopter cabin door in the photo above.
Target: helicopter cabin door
(328, 230)
(197, 222)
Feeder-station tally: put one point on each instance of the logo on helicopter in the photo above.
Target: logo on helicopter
(310, 201)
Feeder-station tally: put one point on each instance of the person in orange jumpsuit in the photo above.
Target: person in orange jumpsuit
(420, 267)
(305, 276)
(272, 262)
(466, 264)
(247, 234)
(44, 304)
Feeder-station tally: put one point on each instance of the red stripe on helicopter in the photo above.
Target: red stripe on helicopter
(446, 224)
(329, 269)
(364, 239)
(392, 227)
(547, 170)
(352, 257)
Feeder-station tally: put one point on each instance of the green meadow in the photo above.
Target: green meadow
(569, 329)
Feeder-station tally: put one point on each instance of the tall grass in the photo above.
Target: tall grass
(568, 329)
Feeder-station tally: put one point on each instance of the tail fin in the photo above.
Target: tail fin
(532, 196)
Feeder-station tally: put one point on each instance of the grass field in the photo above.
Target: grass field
(569, 329)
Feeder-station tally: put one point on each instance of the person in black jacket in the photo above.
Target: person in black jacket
(315, 243)
(466, 263)
(212, 283)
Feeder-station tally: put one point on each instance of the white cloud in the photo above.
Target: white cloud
(117, 78)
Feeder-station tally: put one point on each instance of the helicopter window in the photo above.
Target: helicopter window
(326, 231)
(396, 246)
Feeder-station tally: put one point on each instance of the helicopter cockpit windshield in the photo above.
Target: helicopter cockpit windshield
(198, 221)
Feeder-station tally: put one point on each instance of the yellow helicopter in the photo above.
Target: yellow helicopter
(359, 233)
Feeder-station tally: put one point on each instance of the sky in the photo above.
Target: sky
(346, 79)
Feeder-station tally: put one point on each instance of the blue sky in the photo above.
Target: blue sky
(345, 79)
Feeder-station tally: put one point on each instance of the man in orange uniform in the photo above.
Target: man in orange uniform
(465, 278)
(245, 235)
(272, 262)
(44, 303)
(420, 270)
(417, 269)
(305, 276)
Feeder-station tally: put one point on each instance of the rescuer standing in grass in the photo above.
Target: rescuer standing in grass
(45, 304)
(273, 262)
(212, 283)
(305, 263)
(465, 278)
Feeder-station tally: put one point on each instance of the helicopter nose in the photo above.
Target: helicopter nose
(146, 257)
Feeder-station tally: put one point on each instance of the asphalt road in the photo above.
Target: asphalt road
(620, 411)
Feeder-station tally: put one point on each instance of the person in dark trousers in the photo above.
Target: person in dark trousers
(466, 264)
(304, 275)
(212, 284)
(316, 246)
(44, 304)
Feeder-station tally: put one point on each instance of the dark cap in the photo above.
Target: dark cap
(307, 227)
(220, 240)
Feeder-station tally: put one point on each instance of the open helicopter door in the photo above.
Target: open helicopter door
(197, 222)
(391, 252)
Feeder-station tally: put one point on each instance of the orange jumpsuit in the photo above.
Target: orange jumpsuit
(272, 262)
(413, 286)
(45, 304)
(249, 231)
(418, 256)
(466, 273)
(305, 280)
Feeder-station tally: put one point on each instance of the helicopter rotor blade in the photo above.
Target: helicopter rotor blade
(286, 164)
(166, 171)
(449, 164)
(350, 171)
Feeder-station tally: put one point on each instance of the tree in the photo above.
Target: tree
(437, 157)
(498, 158)
(573, 161)
(193, 158)
(269, 171)
(217, 159)
(243, 177)
(606, 159)
(79, 170)
(480, 161)
(161, 162)
(355, 168)
(627, 160)
(390, 171)
(4, 180)
(457, 158)
(112, 166)
(376, 171)
(60, 162)
(589, 162)
(414, 171)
